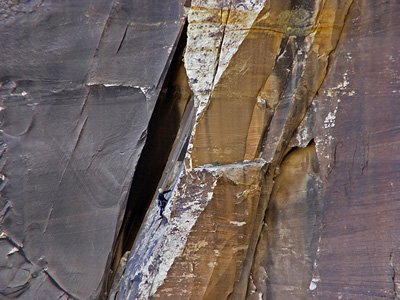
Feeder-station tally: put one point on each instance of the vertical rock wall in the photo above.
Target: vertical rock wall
(284, 171)
(78, 84)
(289, 185)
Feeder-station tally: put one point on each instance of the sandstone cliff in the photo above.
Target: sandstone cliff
(274, 122)
(288, 187)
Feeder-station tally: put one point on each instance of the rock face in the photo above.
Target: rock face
(284, 170)
(75, 109)
(288, 189)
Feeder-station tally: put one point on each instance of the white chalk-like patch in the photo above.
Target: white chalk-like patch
(237, 223)
(329, 121)
(144, 89)
(314, 283)
(23, 94)
(13, 250)
(313, 286)
(212, 264)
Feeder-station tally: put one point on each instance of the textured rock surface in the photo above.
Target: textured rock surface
(297, 99)
(358, 253)
(285, 168)
(205, 241)
(283, 263)
(78, 83)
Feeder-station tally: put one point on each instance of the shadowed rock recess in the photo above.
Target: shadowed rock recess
(274, 122)
(79, 82)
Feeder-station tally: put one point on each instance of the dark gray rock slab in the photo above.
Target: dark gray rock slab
(73, 118)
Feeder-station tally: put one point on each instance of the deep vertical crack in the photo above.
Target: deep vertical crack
(162, 130)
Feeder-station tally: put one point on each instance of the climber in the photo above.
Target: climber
(162, 201)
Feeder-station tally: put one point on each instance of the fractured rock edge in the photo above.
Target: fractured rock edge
(273, 156)
(160, 244)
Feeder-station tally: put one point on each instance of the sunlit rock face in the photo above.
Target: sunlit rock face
(284, 171)
(297, 99)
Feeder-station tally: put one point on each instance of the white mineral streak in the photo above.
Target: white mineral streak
(169, 240)
(162, 244)
(204, 39)
(23, 94)
(13, 250)
(302, 136)
(313, 283)
(329, 121)
(216, 30)
(304, 132)
(237, 223)
(332, 101)
(232, 171)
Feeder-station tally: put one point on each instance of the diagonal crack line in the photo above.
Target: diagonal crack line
(69, 157)
(330, 54)
(84, 102)
(79, 136)
(48, 218)
(123, 38)
(104, 28)
(58, 285)
(91, 67)
(218, 59)
(19, 247)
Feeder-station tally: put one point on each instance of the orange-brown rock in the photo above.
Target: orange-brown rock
(286, 251)
(199, 252)
(290, 188)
